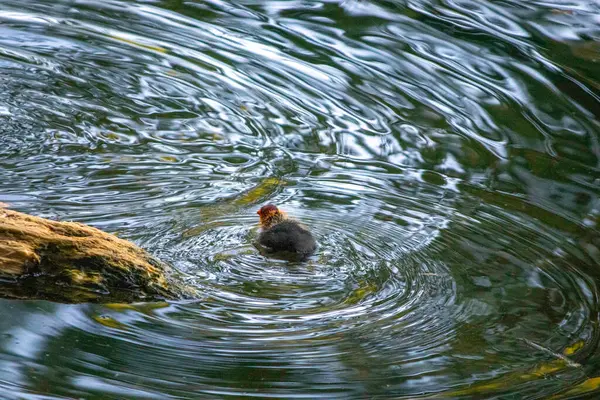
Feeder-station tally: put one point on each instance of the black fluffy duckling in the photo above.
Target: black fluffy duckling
(280, 234)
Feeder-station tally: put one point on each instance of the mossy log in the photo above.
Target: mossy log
(71, 262)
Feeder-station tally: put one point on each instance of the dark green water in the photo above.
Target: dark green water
(445, 154)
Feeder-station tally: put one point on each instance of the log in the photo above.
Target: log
(72, 262)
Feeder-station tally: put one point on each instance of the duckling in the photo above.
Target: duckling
(280, 234)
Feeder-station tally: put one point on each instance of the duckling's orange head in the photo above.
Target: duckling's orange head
(269, 215)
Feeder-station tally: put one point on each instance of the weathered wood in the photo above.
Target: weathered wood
(72, 262)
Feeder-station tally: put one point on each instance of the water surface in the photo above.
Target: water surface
(444, 153)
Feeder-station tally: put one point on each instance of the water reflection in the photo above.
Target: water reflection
(445, 154)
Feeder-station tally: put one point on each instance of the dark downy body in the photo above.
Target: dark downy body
(288, 236)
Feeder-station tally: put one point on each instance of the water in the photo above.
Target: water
(444, 153)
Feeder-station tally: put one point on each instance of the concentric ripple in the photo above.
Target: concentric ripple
(445, 155)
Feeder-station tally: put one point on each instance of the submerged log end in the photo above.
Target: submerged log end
(72, 262)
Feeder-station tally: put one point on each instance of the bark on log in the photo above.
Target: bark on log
(71, 262)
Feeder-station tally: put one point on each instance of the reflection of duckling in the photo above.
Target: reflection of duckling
(282, 234)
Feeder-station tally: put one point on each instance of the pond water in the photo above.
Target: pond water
(445, 153)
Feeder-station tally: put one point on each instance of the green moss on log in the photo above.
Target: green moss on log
(72, 262)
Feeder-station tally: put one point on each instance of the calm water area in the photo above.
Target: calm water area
(445, 154)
